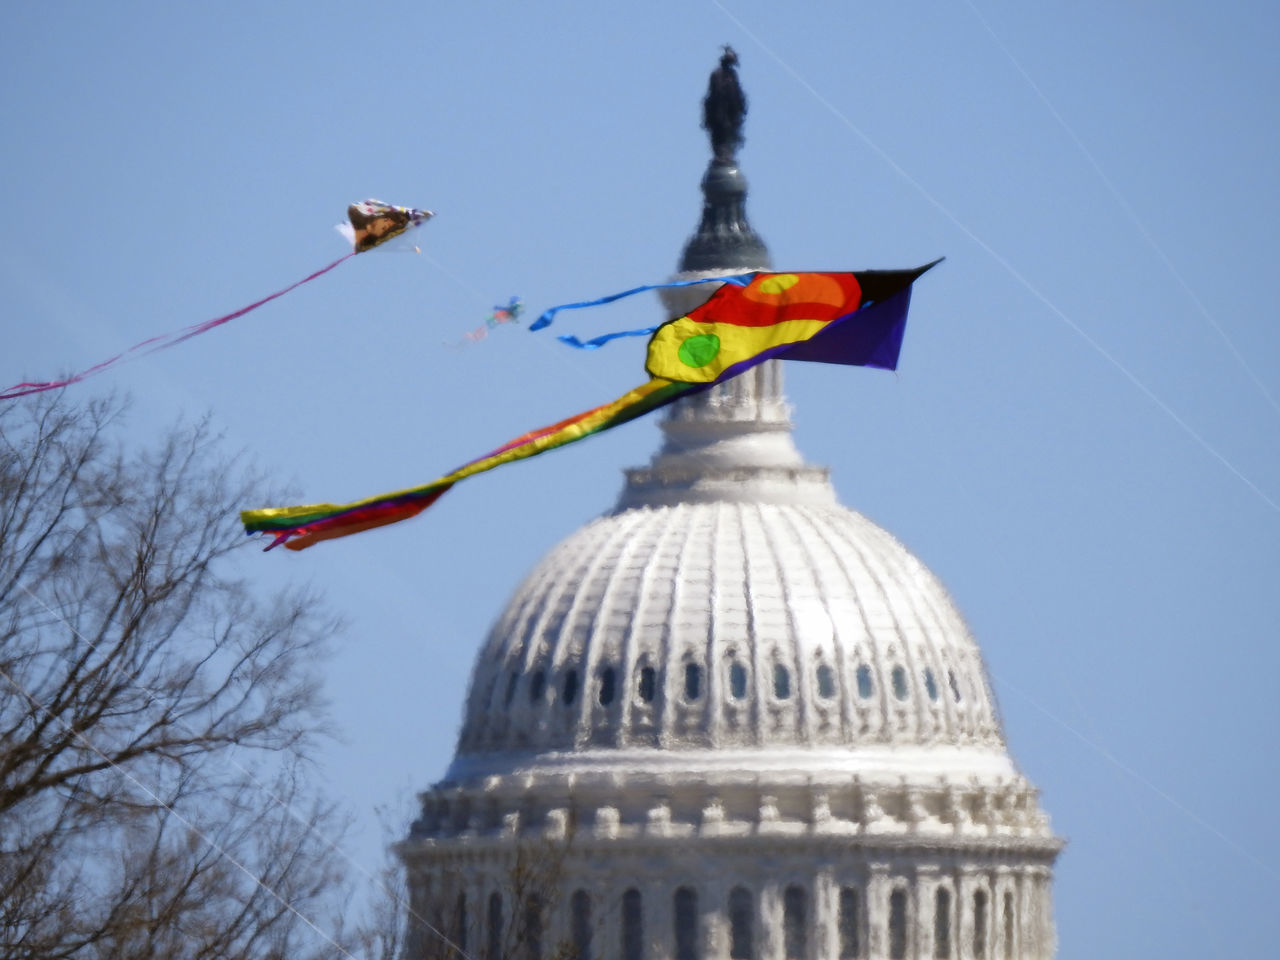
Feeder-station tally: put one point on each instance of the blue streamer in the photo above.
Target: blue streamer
(600, 341)
(740, 280)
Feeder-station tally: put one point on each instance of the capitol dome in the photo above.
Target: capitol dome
(776, 623)
(731, 719)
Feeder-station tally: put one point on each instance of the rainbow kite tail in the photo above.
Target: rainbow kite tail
(303, 526)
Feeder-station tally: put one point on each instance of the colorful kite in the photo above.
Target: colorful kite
(505, 314)
(847, 318)
(371, 223)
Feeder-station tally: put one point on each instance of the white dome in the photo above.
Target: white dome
(727, 625)
(730, 708)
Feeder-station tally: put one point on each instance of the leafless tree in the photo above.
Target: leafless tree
(147, 695)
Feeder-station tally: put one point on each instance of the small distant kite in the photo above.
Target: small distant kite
(510, 313)
(371, 223)
(856, 319)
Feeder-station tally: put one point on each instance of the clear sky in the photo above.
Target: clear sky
(1082, 440)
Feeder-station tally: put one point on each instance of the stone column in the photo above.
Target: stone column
(826, 910)
(713, 911)
(771, 945)
(924, 907)
(879, 887)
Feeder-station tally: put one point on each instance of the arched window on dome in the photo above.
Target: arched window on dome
(511, 687)
(537, 686)
(865, 686)
(692, 681)
(849, 922)
(742, 923)
(458, 929)
(826, 681)
(898, 924)
(795, 922)
(569, 691)
(532, 928)
(980, 924)
(647, 684)
(942, 923)
(685, 920)
(580, 919)
(608, 685)
(899, 677)
(1008, 926)
(737, 680)
(930, 685)
(955, 686)
(781, 682)
(632, 925)
(493, 945)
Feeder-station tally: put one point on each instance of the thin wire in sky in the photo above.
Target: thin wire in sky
(1013, 271)
(1128, 210)
(998, 258)
(1129, 771)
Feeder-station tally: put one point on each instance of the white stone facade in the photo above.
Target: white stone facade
(745, 723)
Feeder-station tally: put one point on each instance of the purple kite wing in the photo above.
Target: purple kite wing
(869, 337)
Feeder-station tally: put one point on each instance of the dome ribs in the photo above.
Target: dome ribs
(798, 598)
(651, 609)
(688, 631)
(737, 717)
(583, 635)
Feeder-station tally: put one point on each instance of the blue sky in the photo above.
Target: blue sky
(1115, 554)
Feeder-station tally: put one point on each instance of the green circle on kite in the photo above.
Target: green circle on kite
(699, 350)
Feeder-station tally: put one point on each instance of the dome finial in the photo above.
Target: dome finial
(724, 108)
(724, 240)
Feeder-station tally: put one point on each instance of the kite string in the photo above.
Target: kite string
(840, 115)
(162, 341)
(1128, 210)
(1138, 777)
(307, 825)
(1001, 260)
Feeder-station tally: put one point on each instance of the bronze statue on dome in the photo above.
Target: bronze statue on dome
(724, 108)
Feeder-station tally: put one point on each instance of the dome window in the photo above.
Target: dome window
(569, 692)
(898, 924)
(580, 908)
(781, 682)
(692, 681)
(741, 924)
(632, 925)
(646, 686)
(1009, 927)
(794, 925)
(511, 687)
(865, 686)
(826, 682)
(608, 682)
(930, 685)
(686, 924)
(955, 685)
(980, 923)
(737, 680)
(532, 929)
(942, 924)
(496, 927)
(850, 942)
(900, 683)
(537, 686)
